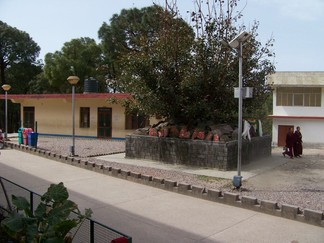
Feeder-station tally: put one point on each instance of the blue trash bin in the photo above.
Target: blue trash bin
(32, 139)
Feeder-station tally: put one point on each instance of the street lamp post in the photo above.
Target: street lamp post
(6, 88)
(73, 80)
(237, 43)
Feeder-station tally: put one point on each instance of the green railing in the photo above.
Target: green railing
(90, 231)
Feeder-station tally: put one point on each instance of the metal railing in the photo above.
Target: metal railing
(90, 230)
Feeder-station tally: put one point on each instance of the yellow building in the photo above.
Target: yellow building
(95, 116)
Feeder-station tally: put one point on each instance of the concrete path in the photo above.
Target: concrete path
(149, 214)
(248, 171)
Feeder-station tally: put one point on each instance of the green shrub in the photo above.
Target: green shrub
(51, 222)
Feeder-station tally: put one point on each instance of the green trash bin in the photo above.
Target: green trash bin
(20, 135)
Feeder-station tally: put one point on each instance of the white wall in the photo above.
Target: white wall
(297, 110)
(312, 130)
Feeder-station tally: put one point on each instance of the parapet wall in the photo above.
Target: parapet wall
(221, 155)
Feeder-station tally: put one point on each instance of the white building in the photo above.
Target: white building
(298, 100)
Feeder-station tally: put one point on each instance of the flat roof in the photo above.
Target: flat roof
(300, 79)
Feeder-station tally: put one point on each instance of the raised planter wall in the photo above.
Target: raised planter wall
(221, 155)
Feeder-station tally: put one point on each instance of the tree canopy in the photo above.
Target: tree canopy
(214, 71)
(182, 71)
(173, 69)
(150, 57)
(79, 57)
(18, 58)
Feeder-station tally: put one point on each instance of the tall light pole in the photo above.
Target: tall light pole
(6, 88)
(237, 43)
(73, 80)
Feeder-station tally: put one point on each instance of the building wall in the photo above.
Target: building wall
(297, 110)
(54, 116)
(310, 119)
(312, 130)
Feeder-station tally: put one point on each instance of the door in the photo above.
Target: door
(104, 122)
(29, 117)
(282, 132)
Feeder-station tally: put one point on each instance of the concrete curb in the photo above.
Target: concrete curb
(263, 206)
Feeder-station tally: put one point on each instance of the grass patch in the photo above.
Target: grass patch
(221, 183)
(210, 179)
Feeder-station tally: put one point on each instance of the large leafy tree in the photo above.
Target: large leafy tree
(18, 66)
(215, 65)
(41, 85)
(147, 53)
(18, 58)
(172, 72)
(80, 57)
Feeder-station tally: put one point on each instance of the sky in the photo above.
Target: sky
(296, 25)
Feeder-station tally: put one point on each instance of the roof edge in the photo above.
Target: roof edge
(298, 117)
(67, 96)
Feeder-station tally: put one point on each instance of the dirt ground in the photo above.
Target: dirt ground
(305, 172)
(298, 181)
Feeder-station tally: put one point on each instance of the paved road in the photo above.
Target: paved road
(150, 214)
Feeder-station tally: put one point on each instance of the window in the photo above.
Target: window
(84, 117)
(299, 96)
(135, 121)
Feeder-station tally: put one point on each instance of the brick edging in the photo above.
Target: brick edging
(309, 216)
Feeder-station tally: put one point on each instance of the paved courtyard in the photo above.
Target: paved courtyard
(298, 182)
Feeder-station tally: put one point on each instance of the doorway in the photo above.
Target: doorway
(29, 117)
(104, 122)
(282, 133)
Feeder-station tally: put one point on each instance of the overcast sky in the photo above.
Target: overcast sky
(297, 25)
